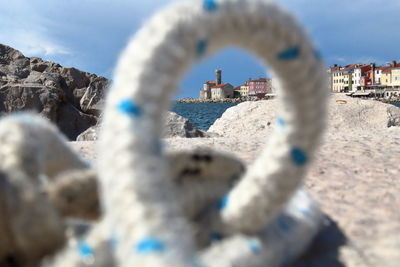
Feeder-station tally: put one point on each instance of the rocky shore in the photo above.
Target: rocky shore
(70, 98)
(354, 174)
(224, 100)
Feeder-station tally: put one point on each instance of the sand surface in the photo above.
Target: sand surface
(355, 176)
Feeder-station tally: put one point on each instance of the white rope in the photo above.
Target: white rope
(145, 77)
(144, 223)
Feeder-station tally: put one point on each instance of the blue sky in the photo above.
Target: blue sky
(89, 34)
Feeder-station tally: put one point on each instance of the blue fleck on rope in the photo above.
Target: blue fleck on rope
(210, 5)
(299, 156)
(150, 245)
(129, 107)
(85, 250)
(290, 53)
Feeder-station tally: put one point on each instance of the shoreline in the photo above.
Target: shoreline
(395, 102)
(225, 100)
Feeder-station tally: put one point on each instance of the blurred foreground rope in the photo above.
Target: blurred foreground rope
(140, 207)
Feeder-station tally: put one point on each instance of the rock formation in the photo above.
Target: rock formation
(174, 126)
(178, 126)
(345, 115)
(72, 99)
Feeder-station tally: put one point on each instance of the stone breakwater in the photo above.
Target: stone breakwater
(354, 174)
(224, 100)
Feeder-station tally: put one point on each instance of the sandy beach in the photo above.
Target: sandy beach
(354, 175)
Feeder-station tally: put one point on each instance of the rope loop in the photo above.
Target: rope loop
(192, 208)
(147, 74)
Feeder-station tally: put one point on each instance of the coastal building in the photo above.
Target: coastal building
(338, 77)
(368, 79)
(205, 92)
(395, 77)
(244, 90)
(236, 92)
(348, 77)
(386, 77)
(241, 90)
(378, 75)
(259, 87)
(216, 89)
(356, 79)
(221, 91)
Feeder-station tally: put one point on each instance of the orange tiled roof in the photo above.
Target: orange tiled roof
(386, 69)
(219, 85)
(259, 80)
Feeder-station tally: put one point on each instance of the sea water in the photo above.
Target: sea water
(202, 115)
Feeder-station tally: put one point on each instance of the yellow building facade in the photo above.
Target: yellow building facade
(244, 90)
(386, 78)
(338, 81)
(395, 77)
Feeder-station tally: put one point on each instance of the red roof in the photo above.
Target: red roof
(349, 67)
(210, 82)
(259, 80)
(219, 85)
(386, 69)
(364, 68)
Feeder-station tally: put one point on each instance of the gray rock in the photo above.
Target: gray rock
(72, 122)
(178, 126)
(92, 101)
(175, 126)
(345, 114)
(72, 80)
(31, 97)
(91, 134)
(72, 99)
(394, 116)
(40, 67)
(8, 54)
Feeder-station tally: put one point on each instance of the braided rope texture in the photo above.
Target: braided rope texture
(195, 208)
(145, 77)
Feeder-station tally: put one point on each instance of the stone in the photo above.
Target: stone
(31, 97)
(90, 134)
(394, 116)
(178, 126)
(33, 84)
(73, 79)
(40, 67)
(72, 122)
(92, 101)
(8, 54)
(345, 114)
(175, 126)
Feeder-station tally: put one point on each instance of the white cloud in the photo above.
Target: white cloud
(23, 29)
(32, 43)
(340, 59)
